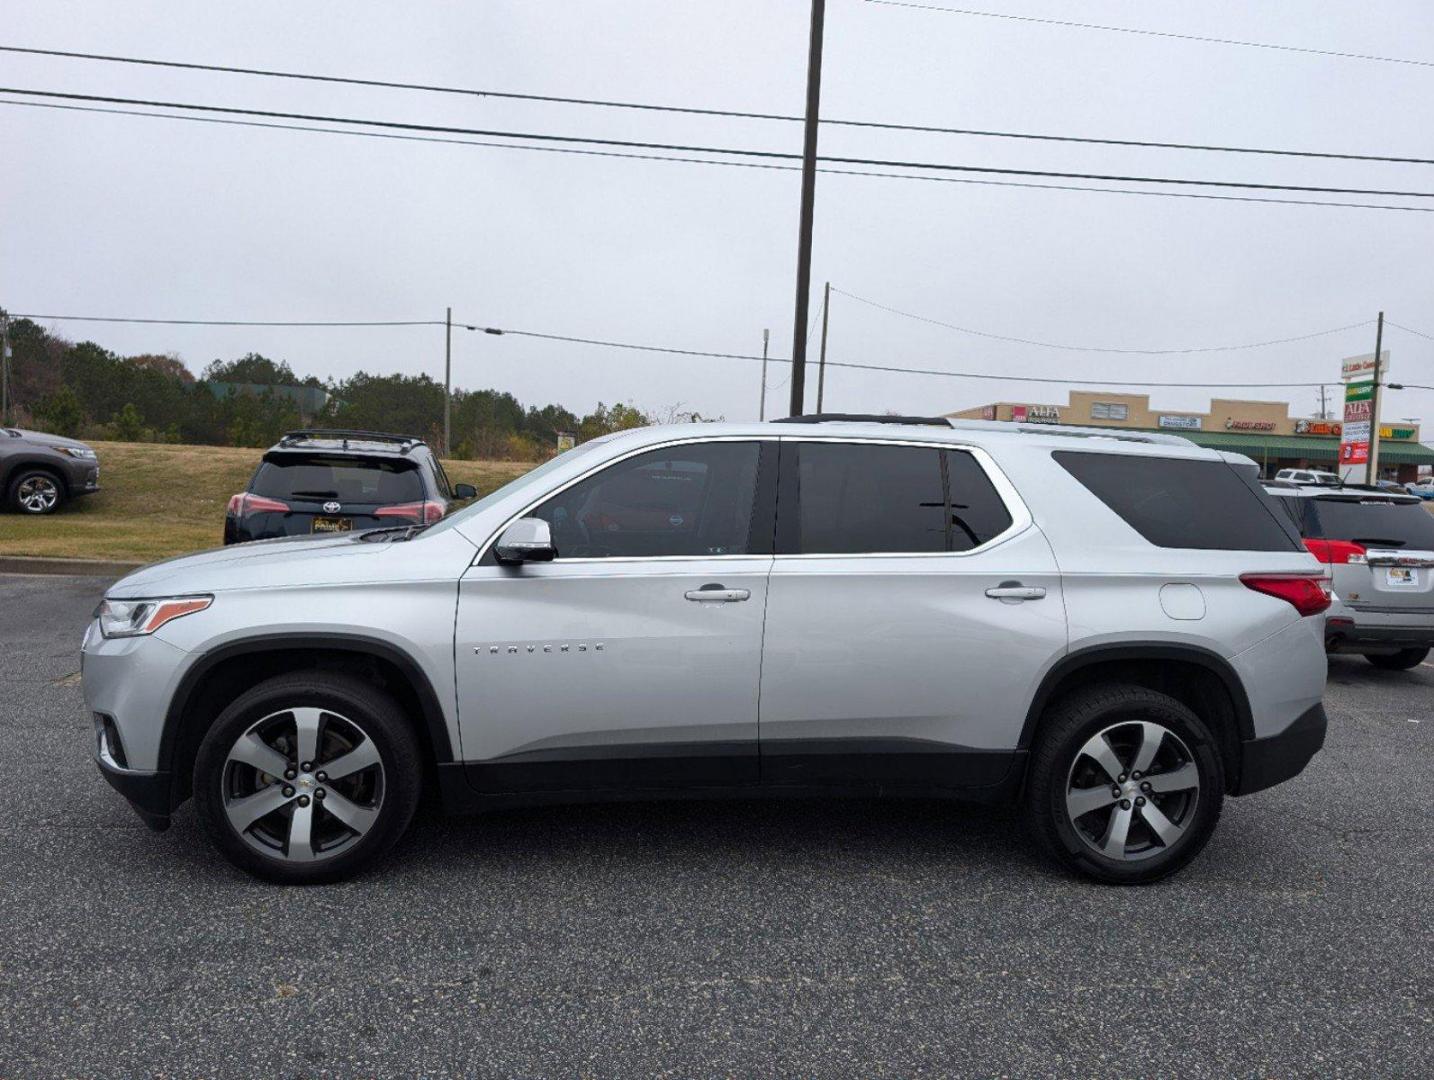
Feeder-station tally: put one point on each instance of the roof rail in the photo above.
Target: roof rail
(405, 442)
(863, 418)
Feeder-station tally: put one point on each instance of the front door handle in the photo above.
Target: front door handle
(717, 594)
(1013, 592)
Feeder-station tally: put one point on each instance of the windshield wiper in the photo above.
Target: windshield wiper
(1379, 541)
(392, 534)
(316, 494)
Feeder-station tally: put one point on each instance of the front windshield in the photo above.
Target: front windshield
(516, 484)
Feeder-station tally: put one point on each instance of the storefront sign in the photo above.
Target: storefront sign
(1185, 423)
(1354, 443)
(1396, 433)
(1035, 414)
(1316, 427)
(1362, 367)
(988, 412)
(1249, 425)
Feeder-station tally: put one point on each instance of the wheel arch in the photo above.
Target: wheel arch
(1199, 678)
(213, 679)
(50, 468)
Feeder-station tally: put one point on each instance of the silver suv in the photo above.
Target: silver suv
(1380, 550)
(1114, 631)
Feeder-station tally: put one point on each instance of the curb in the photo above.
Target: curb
(36, 564)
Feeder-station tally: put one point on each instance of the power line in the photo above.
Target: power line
(734, 151)
(1153, 33)
(709, 161)
(1409, 330)
(681, 148)
(631, 346)
(726, 113)
(1097, 348)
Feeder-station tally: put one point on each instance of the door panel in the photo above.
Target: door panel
(598, 674)
(891, 666)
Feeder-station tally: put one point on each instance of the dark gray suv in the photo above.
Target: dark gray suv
(39, 473)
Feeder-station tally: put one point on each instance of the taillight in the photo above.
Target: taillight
(245, 503)
(1309, 594)
(423, 513)
(1336, 552)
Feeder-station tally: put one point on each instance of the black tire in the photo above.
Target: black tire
(1068, 727)
(1403, 660)
(359, 705)
(36, 492)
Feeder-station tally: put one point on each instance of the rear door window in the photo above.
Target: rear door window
(300, 478)
(1373, 524)
(1183, 503)
(862, 498)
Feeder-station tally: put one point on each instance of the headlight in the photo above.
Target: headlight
(133, 618)
(79, 452)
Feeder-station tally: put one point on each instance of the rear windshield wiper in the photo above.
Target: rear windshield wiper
(1379, 541)
(315, 494)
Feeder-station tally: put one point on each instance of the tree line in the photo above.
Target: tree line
(83, 390)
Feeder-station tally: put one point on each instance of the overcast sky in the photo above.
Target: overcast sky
(120, 215)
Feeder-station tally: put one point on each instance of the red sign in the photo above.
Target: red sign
(1018, 413)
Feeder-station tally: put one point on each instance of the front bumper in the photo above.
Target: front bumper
(147, 792)
(1283, 756)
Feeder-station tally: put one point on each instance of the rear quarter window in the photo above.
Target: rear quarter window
(1184, 503)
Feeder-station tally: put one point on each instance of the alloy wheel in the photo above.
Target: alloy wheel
(1132, 790)
(38, 494)
(303, 784)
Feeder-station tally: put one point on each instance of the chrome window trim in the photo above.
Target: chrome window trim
(1016, 507)
(553, 492)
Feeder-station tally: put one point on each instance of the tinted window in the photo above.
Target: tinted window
(863, 499)
(1374, 524)
(686, 500)
(304, 478)
(1177, 503)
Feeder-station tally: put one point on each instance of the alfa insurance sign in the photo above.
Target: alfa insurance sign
(1358, 405)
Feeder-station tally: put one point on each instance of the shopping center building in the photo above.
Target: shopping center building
(1262, 430)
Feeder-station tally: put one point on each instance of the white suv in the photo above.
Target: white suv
(1116, 631)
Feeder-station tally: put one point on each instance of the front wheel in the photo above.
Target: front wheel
(36, 492)
(308, 777)
(1402, 660)
(1125, 785)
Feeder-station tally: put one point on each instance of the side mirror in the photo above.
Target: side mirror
(526, 540)
(465, 491)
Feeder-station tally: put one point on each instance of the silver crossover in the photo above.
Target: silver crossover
(1115, 632)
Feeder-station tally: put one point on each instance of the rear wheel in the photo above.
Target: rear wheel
(1402, 660)
(308, 777)
(1125, 785)
(35, 491)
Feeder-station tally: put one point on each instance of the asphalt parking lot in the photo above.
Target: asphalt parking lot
(810, 939)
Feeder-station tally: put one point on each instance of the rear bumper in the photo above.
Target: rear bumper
(1283, 756)
(1345, 636)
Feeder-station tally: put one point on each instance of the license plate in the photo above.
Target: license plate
(1401, 577)
(332, 524)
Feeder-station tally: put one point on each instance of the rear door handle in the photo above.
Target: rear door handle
(717, 594)
(1014, 592)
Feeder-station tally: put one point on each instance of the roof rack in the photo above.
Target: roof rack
(863, 418)
(405, 442)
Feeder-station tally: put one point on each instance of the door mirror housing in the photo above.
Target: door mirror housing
(526, 540)
(464, 491)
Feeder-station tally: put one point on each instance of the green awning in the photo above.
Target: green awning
(1310, 447)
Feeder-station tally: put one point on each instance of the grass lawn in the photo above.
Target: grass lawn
(156, 501)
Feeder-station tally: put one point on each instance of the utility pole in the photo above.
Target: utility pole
(822, 363)
(762, 408)
(4, 367)
(447, 381)
(1372, 476)
(1323, 410)
(809, 191)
